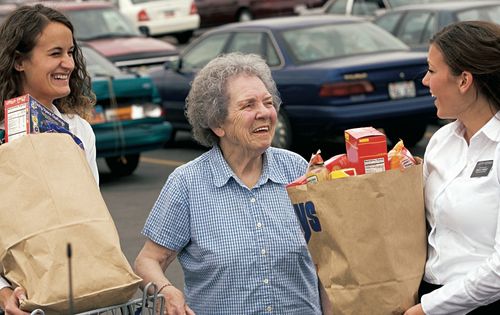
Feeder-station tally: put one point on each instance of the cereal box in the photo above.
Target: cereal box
(24, 115)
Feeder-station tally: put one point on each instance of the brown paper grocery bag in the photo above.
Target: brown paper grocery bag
(49, 198)
(367, 237)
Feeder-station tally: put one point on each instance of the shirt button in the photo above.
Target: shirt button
(252, 200)
(259, 225)
(263, 252)
(269, 309)
(266, 281)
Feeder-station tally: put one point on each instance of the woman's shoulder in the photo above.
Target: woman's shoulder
(197, 165)
(444, 132)
(289, 162)
(77, 122)
(286, 155)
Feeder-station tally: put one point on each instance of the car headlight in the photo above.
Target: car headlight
(144, 111)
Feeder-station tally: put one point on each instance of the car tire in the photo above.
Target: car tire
(244, 15)
(184, 37)
(411, 132)
(123, 165)
(171, 141)
(283, 133)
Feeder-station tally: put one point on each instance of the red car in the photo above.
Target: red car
(104, 28)
(217, 12)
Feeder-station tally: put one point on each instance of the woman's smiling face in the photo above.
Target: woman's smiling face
(47, 69)
(251, 119)
(444, 86)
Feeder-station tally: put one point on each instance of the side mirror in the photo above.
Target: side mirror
(174, 64)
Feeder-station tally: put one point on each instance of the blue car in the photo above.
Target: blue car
(333, 73)
(128, 119)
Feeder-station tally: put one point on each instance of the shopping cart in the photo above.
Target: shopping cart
(147, 305)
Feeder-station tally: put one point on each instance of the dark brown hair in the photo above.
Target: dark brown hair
(473, 46)
(18, 36)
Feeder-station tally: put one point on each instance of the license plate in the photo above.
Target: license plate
(403, 89)
(169, 13)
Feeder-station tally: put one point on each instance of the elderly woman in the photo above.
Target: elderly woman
(226, 215)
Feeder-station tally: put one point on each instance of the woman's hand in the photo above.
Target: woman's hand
(415, 310)
(175, 302)
(13, 301)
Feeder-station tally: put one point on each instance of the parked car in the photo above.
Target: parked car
(415, 24)
(333, 72)
(162, 17)
(218, 12)
(105, 29)
(128, 119)
(365, 8)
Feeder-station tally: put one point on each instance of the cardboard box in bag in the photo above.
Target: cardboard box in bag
(366, 149)
(25, 115)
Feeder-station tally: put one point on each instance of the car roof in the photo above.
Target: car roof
(287, 22)
(77, 5)
(446, 6)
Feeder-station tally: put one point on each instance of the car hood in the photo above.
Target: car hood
(116, 47)
(124, 87)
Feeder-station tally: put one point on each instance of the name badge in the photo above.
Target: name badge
(482, 168)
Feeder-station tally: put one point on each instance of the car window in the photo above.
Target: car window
(310, 44)
(252, 43)
(485, 14)
(429, 29)
(412, 27)
(337, 7)
(248, 43)
(366, 7)
(91, 24)
(388, 21)
(98, 65)
(204, 51)
(272, 57)
(115, 22)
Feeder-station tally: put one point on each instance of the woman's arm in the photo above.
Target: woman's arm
(150, 265)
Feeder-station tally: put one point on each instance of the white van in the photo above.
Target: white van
(161, 17)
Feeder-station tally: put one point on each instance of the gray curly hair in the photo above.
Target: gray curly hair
(208, 100)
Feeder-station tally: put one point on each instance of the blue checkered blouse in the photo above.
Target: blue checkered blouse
(242, 250)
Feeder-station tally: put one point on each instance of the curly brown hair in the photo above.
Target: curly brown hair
(18, 36)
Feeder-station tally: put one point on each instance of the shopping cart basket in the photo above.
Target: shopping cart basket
(147, 305)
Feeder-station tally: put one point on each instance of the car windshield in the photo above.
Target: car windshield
(310, 44)
(98, 65)
(490, 13)
(100, 23)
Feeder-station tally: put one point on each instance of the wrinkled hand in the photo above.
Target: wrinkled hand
(415, 310)
(12, 303)
(175, 302)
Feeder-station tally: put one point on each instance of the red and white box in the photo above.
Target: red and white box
(366, 149)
